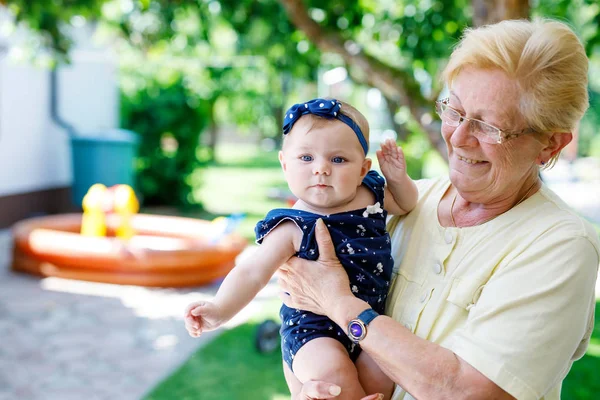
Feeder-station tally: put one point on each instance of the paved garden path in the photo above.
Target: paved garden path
(63, 339)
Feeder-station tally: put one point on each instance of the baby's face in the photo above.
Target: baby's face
(323, 164)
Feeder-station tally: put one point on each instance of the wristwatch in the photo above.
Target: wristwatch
(357, 328)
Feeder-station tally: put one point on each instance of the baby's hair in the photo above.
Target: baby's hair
(311, 121)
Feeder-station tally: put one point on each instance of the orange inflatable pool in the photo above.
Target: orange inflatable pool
(166, 251)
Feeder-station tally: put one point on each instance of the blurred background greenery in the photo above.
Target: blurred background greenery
(205, 84)
(196, 73)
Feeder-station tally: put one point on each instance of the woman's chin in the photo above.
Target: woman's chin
(466, 171)
(467, 182)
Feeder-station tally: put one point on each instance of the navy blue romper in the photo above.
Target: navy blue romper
(362, 246)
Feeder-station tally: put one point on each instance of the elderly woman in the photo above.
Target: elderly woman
(493, 291)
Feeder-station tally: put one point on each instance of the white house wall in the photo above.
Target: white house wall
(34, 151)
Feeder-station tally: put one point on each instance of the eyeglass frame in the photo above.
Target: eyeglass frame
(503, 135)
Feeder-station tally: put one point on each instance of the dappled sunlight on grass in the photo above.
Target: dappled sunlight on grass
(234, 188)
(594, 348)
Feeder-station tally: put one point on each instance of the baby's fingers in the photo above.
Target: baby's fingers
(399, 151)
(191, 306)
(199, 310)
(193, 329)
(389, 144)
(192, 322)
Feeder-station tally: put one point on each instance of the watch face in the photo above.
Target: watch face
(356, 330)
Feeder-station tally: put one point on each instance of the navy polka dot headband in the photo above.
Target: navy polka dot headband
(323, 108)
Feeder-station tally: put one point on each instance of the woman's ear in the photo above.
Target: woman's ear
(281, 160)
(555, 143)
(366, 167)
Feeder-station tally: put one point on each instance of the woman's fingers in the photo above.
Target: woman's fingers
(324, 242)
(376, 396)
(286, 299)
(312, 390)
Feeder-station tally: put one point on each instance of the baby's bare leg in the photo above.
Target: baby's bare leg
(326, 359)
(372, 378)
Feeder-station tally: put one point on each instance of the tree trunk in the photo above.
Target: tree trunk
(492, 11)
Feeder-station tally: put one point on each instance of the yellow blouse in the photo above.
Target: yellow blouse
(514, 297)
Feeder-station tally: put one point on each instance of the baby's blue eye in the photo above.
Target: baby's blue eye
(337, 160)
(306, 158)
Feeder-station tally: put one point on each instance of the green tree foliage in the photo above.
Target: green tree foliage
(244, 58)
(170, 118)
(52, 19)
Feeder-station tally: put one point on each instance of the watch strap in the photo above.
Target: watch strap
(367, 316)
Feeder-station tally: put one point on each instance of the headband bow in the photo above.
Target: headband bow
(323, 108)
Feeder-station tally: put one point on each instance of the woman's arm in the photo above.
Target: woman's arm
(424, 369)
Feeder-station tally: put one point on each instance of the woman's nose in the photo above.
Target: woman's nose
(462, 135)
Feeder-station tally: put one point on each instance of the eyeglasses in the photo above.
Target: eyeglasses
(483, 131)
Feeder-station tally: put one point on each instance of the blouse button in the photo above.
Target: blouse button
(408, 326)
(448, 237)
(423, 297)
(437, 268)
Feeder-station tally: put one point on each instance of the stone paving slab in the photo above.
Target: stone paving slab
(63, 339)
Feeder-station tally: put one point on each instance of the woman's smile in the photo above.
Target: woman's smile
(470, 160)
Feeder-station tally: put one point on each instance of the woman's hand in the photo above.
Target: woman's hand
(315, 286)
(314, 390)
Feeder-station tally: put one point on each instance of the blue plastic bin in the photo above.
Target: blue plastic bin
(102, 157)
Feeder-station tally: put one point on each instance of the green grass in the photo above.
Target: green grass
(230, 367)
(582, 383)
(240, 182)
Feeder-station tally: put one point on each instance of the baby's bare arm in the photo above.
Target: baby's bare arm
(247, 278)
(401, 192)
(400, 198)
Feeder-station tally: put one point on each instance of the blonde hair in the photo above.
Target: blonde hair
(346, 110)
(546, 59)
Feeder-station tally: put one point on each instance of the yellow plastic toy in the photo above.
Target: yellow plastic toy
(93, 222)
(100, 201)
(125, 205)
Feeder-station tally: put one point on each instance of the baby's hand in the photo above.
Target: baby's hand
(391, 160)
(202, 316)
